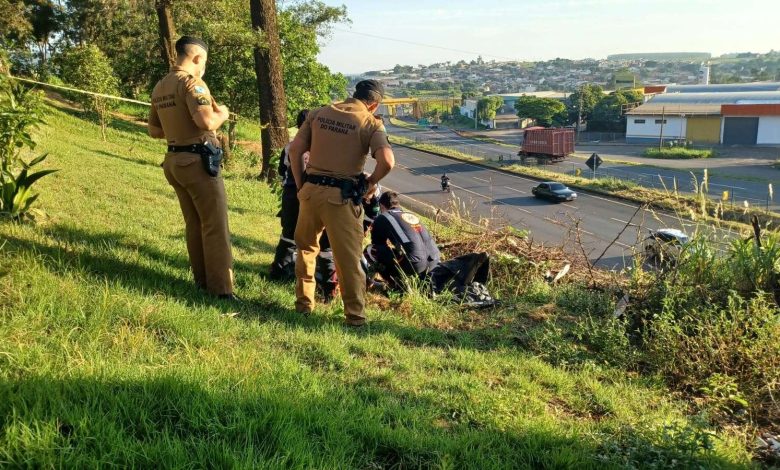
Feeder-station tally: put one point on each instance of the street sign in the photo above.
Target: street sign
(594, 162)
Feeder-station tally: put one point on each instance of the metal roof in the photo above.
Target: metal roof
(724, 88)
(716, 98)
(702, 103)
(673, 109)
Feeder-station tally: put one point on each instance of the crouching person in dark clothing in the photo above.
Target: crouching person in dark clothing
(401, 247)
(283, 265)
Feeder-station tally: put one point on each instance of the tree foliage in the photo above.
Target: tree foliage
(87, 67)
(588, 96)
(307, 82)
(14, 21)
(27, 27)
(126, 32)
(608, 114)
(226, 27)
(488, 106)
(546, 112)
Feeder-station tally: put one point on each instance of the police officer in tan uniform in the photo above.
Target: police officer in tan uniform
(339, 137)
(184, 113)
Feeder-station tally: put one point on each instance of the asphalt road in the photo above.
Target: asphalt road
(487, 193)
(746, 179)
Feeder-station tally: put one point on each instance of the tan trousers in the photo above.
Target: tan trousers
(204, 206)
(322, 207)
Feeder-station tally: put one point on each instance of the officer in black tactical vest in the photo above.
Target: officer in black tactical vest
(400, 245)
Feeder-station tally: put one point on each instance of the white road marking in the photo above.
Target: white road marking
(515, 190)
(621, 221)
(611, 200)
(480, 179)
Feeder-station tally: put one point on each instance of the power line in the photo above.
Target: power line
(432, 46)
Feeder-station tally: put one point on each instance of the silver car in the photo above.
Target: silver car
(665, 245)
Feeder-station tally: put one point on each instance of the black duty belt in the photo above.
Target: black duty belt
(194, 148)
(322, 180)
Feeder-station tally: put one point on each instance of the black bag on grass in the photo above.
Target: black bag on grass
(464, 276)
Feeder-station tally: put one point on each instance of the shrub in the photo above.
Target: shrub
(740, 340)
(578, 300)
(20, 112)
(86, 67)
(677, 152)
(756, 268)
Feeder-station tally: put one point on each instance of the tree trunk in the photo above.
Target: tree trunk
(232, 133)
(167, 31)
(268, 68)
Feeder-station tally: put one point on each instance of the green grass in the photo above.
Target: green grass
(677, 153)
(110, 356)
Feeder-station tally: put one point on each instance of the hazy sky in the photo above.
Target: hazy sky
(544, 29)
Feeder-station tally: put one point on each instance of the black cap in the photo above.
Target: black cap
(185, 41)
(370, 90)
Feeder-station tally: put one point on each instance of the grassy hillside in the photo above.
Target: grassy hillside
(109, 355)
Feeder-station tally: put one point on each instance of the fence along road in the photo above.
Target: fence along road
(756, 193)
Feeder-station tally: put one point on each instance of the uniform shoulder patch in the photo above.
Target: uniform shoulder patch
(203, 101)
(410, 219)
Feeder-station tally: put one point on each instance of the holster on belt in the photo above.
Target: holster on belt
(354, 191)
(210, 155)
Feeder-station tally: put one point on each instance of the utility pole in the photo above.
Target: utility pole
(661, 135)
(167, 31)
(579, 113)
(268, 68)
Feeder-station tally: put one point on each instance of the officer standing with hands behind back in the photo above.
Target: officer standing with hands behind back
(338, 137)
(184, 113)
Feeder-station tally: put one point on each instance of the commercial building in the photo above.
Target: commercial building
(735, 114)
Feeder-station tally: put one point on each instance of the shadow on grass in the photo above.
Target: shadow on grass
(148, 271)
(94, 255)
(167, 422)
(129, 160)
(101, 257)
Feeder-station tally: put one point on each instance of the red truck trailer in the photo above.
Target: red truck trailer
(553, 144)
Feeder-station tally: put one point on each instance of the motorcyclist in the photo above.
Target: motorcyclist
(445, 182)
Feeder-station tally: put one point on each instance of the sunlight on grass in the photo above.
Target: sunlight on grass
(110, 356)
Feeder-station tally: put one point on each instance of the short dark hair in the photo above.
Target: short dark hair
(301, 117)
(371, 91)
(389, 199)
(182, 45)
